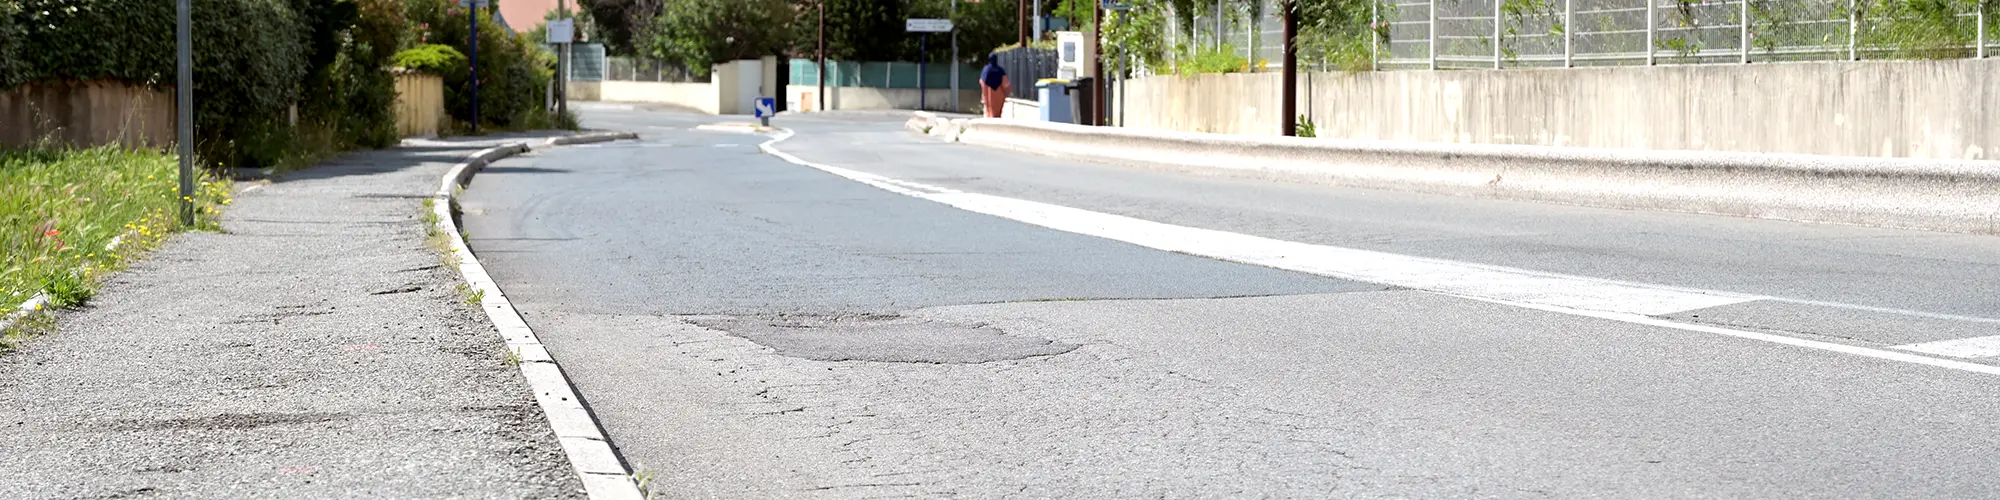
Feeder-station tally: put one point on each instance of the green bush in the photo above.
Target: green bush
(441, 60)
(238, 91)
(254, 60)
(1212, 60)
(513, 71)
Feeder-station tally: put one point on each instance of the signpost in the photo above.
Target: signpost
(925, 26)
(472, 13)
(561, 33)
(764, 108)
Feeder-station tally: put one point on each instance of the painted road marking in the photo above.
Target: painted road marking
(1636, 303)
(1456, 278)
(1975, 347)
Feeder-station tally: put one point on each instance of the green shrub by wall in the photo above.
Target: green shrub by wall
(513, 71)
(254, 60)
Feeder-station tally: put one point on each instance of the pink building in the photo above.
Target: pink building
(524, 15)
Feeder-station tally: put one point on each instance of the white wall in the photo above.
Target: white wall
(698, 96)
(804, 98)
(1917, 109)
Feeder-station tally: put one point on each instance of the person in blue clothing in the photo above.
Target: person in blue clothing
(993, 86)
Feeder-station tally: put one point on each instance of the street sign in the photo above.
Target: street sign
(927, 25)
(479, 3)
(766, 106)
(562, 31)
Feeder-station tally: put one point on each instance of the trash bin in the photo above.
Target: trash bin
(1083, 101)
(1055, 99)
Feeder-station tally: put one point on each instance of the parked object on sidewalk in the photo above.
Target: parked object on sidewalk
(1055, 99)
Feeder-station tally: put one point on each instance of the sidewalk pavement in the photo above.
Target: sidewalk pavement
(316, 349)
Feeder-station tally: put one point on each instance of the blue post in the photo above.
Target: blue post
(923, 56)
(474, 45)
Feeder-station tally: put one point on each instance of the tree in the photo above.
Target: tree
(696, 34)
(620, 25)
(863, 30)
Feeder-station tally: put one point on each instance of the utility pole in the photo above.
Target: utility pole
(184, 99)
(1021, 20)
(1037, 34)
(562, 62)
(822, 56)
(1289, 105)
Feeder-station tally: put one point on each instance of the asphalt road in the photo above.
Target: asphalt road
(748, 328)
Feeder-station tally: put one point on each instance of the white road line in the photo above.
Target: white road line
(1975, 347)
(1627, 302)
(1458, 278)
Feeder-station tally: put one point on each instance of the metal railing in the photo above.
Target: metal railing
(629, 69)
(1430, 34)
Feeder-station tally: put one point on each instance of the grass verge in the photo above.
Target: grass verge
(69, 216)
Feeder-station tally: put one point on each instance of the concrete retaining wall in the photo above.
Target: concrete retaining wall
(730, 90)
(1913, 109)
(1944, 195)
(698, 96)
(87, 114)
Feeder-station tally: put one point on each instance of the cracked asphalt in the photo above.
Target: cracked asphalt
(315, 349)
(749, 328)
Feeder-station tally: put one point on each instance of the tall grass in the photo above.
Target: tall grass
(61, 210)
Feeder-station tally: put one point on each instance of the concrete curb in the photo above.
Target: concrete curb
(604, 476)
(1939, 195)
(925, 122)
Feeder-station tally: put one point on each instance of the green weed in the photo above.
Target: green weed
(60, 208)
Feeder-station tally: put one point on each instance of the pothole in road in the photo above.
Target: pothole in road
(884, 338)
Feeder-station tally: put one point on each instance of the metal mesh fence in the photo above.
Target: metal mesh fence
(1557, 33)
(629, 69)
(887, 75)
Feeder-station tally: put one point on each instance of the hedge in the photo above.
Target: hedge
(513, 72)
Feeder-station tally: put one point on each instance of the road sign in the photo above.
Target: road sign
(927, 25)
(766, 106)
(479, 3)
(562, 31)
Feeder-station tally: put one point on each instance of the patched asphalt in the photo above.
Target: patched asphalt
(752, 329)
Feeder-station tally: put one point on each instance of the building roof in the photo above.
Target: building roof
(524, 15)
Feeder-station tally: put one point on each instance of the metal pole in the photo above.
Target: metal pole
(1098, 102)
(923, 56)
(472, 13)
(822, 56)
(1744, 25)
(1374, 42)
(1289, 96)
(1219, 31)
(1853, 31)
(954, 59)
(184, 100)
(1569, 34)
(562, 63)
(1496, 33)
(1250, 37)
(1037, 35)
(1979, 16)
(1434, 34)
(1651, 27)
